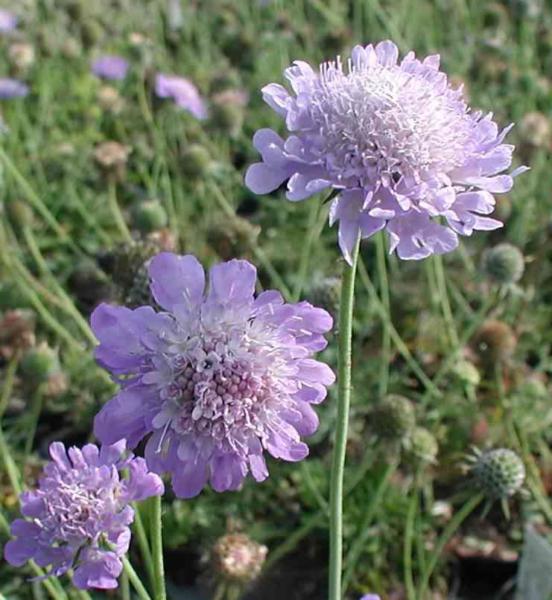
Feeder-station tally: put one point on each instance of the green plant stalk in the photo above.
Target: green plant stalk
(408, 542)
(65, 298)
(135, 580)
(444, 539)
(156, 531)
(36, 409)
(364, 529)
(444, 300)
(36, 202)
(346, 306)
(386, 338)
(142, 538)
(116, 211)
(7, 385)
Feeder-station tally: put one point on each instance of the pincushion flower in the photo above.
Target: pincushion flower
(216, 379)
(395, 141)
(12, 88)
(110, 66)
(79, 516)
(183, 92)
(8, 21)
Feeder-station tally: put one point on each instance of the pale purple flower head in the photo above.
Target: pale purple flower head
(8, 21)
(370, 597)
(12, 88)
(183, 92)
(217, 379)
(79, 516)
(110, 67)
(395, 141)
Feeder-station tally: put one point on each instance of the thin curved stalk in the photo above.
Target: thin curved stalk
(344, 397)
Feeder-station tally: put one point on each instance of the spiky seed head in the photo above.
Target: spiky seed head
(39, 364)
(195, 161)
(494, 342)
(499, 473)
(236, 557)
(421, 447)
(503, 264)
(149, 216)
(393, 418)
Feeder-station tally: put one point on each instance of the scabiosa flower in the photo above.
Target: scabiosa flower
(395, 141)
(218, 379)
(110, 66)
(79, 516)
(8, 21)
(370, 597)
(12, 88)
(183, 92)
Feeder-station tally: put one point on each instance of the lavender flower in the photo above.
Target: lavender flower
(397, 143)
(370, 597)
(80, 515)
(218, 379)
(8, 21)
(12, 88)
(110, 67)
(183, 92)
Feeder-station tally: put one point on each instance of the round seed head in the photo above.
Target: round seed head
(325, 292)
(466, 372)
(421, 447)
(503, 264)
(494, 342)
(40, 363)
(195, 161)
(393, 418)
(236, 557)
(499, 473)
(149, 216)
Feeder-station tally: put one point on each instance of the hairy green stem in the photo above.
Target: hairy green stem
(156, 531)
(386, 337)
(116, 211)
(135, 580)
(142, 537)
(344, 397)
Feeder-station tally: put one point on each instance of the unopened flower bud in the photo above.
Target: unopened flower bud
(20, 213)
(499, 473)
(39, 364)
(112, 158)
(195, 161)
(325, 292)
(503, 264)
(231, 238)
(149, 216)
(421, 447)
(17, 332)
(110, 100)
(393, 418)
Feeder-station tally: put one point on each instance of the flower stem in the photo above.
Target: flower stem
(135, 580)
(116, 212)
(447, 534)
(156, 531)
(344, 397)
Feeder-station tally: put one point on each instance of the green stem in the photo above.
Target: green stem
(444, 299)
(386, 337)
(344, 396)
(125, 586)
(142, 537)
(444, 539)
(135, 580)
(156, 532)
(7, 385)
(364, 529)
(116, 211)
(35, 200)
(36, 409)
(408, 539)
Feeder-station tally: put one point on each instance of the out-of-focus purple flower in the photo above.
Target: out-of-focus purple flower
(397, 143)
(12, 88)
(110, 67)
(79, 516)
(218, 379)
(370, 597)
(183, 92)
(8, 21)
